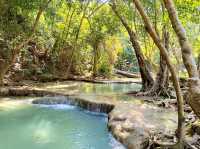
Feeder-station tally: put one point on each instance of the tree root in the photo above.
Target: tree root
(157, 93)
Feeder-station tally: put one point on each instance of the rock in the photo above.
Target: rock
(134, 125)
(139, 139)
(131, 135)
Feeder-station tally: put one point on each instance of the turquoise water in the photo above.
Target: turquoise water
(53, 127)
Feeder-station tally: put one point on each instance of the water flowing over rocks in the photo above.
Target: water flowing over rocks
(82, 103)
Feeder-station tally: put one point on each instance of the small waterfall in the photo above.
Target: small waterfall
(82, 103)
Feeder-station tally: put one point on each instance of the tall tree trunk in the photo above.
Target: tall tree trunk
(147, 79)
(161, 84)
(175, 80)
(186, 48)
(16, 51)
(188, 58)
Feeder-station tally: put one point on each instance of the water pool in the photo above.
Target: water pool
(53, 127)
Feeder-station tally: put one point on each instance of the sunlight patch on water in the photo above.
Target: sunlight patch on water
(42, 132)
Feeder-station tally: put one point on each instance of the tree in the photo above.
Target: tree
(6, 64)
(161, 83)
(175, 80)
(147, 79)
(187, 57)
(77, 37)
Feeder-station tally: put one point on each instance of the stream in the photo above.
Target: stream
(23, 125)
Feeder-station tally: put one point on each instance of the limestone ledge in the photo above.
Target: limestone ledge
(91, 105)
(82, 103)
